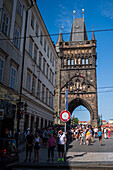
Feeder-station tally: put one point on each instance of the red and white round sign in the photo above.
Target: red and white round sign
(65, 115)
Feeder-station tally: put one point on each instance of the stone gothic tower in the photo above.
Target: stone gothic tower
(76, 71)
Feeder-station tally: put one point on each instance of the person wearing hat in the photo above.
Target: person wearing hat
(29, 145)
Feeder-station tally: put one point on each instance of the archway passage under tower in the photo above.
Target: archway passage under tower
(77, 102)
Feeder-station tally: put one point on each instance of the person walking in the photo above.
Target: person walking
(29, 145)
(100, 136)
(105, 133)
(37, 141)
(51, 146)
(109, 132)
(88, 137)
(61, 143)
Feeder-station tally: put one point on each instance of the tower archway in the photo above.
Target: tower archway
(81, 102)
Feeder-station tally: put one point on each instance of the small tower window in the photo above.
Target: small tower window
(83, 61)
(86, 61)
(68, 62)
(72, 62)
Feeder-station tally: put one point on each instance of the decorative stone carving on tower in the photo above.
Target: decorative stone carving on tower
(76, 70)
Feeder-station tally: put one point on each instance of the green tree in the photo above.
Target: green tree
(76, 120)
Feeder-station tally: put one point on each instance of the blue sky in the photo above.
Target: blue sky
(98, 13)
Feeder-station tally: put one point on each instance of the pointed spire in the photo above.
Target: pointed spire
(93, 35)
(74, 14)
(60, 37)
(83, 13)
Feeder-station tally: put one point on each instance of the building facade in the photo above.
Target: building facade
(12, 21)
(76, 71)
(39, 74)
(39, 67)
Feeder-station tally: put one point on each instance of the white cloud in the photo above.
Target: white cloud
(107, 9)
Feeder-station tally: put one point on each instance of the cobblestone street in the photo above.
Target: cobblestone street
(77, 155)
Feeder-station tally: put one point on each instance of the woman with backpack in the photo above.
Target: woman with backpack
(100, 136)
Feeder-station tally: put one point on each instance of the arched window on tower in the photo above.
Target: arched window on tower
(68, 62)
(72, 62)
(87, 61)
(83, 61)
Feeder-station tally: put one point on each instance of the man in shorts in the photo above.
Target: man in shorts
(29, 145)
(61, 143)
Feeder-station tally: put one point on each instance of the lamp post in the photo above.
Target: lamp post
(22, 69)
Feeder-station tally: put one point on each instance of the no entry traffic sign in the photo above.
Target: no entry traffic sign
(65, 115)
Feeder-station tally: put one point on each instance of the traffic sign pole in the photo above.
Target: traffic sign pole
(65, 116)
(66, 107)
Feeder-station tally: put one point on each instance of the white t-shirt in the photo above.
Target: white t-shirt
(61, 139)
(96, 130)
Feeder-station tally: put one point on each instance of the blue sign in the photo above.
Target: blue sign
(66, 99)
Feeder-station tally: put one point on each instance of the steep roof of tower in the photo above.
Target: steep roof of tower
(60, 38)
(93, 35)
(78, 31)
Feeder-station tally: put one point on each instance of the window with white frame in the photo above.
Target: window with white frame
(44, 63)
(48, 51)
(30, 46)
(50, 75)
(16, 37)
(12, 77)
(49, 98)
(40, 60)
(32, 20)
(43, 92)
(39, 89)
(28, 82)
(52, 101)
(47, 70)
(33, 85)
(19, 7)
(5, 23)
(35, 53)
(41, 38)
(51, 57)
(1, 69)
(37, 29)
(45, 45)
(46, 96)
(53, 61)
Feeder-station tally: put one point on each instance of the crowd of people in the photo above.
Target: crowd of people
(54, 138)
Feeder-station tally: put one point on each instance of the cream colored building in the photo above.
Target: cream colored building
(39, 66)
(39, 73)
(111, 121)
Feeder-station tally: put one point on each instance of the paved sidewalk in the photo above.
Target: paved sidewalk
(70, 156)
